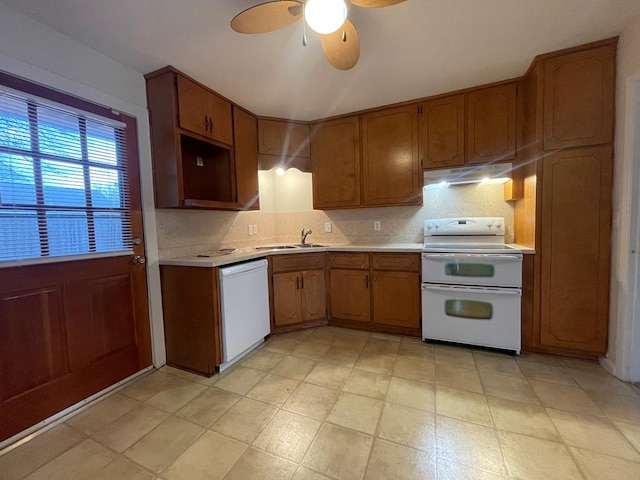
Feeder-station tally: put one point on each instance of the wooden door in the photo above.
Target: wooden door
(245, 128)
(396, 299)
(203, 112)
(491, 124)
(71, 329)
(350, 295)
(313, 295)
(283, 138)
(193, 107)
(390, 163)
(221, 119)
(575, 249)
(335, 163)
(442, 132)
(286, 298)
(579, 98)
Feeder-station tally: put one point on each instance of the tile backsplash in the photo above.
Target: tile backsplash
(182, 232)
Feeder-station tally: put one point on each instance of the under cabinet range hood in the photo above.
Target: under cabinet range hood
(482, 174)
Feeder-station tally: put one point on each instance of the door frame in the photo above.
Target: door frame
(138, 109)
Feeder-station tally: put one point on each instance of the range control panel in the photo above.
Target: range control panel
(464, 226)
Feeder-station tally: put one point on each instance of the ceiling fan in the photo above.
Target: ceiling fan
(339, 37)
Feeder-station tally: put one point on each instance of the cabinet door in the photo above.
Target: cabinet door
(491, 124)
(221, 118)
(335, 163)
(203, 112)
(390, 163)
(286, 298)
(575, 244)
(442, 132)
(579, 98)
(396, 299)
(245, 130)
(314, 295)
(350, 295)
(283, 138)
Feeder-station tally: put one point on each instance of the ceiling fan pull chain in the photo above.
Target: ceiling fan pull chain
(304, 28)
(344, 36)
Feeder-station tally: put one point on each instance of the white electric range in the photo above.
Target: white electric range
(471, 283)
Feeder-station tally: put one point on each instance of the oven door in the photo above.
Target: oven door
(483, 316)
(491, 269)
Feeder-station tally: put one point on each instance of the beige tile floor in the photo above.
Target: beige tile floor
(336, 403)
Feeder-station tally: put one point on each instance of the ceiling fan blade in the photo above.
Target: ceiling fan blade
(340, 53)
(375, 3)
(267, 17)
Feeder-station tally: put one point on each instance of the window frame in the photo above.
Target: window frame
(131, 170)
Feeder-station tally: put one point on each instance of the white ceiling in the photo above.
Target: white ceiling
(414, 49)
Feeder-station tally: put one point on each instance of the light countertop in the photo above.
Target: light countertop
(250, 253)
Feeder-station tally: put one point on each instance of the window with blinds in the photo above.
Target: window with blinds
(63, 181)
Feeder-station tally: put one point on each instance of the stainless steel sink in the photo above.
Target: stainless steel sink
(308, 245)
(274, 247)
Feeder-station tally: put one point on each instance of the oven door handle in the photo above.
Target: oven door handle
(490, 256)
(463, 289)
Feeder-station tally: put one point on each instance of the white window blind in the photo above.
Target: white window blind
(63, 181)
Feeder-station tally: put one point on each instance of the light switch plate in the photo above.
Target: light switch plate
(376, 225)
(250, 229)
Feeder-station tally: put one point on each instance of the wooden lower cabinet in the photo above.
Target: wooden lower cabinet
(192, 324)
(381, 292)
(298, 297)
(350, 296)
(298, 291)
(396, 299)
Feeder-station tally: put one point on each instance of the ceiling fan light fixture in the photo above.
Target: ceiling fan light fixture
(325, 16)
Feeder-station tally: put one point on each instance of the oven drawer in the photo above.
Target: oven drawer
(504, 270)
(487, 317)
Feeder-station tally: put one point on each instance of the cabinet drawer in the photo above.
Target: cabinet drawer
(348, 260)
(405, 262)
(298, 261)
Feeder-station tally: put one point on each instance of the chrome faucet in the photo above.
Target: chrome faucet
(303, 236)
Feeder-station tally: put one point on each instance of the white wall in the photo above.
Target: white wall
(623, 310)
(34, 51)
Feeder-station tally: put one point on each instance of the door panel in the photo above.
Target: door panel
(245, 129)
(442, 132)
(491, 124)
(43, 329)
(390, 162)
(286, 298)
(313, 295)
(70, 329)
(396, 299)
(579, 98)
(350, 297)
(575, 245)
(335, 161)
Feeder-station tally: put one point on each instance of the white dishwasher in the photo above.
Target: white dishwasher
(244, 293)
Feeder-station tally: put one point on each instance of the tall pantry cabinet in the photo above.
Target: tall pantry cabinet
(567, 171)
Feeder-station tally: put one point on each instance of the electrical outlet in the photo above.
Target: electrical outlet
(199, 162)
(327, 227)
(255, 229)
(376, 225)
(250, 229)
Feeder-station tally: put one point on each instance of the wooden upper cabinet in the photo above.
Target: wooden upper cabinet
(289, 139)
(335, 163)
(491, 124)
(442, 132)
(203, 112)
(579, 98)
(245, 131)
(575, 249)
(390, 165)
